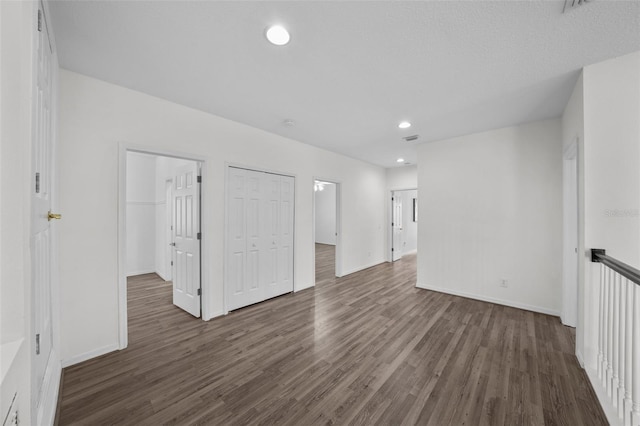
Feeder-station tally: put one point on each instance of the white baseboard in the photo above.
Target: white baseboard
(483, 298)
(580, 358)
(214, 315)
(362, 268)
(141, 272)
(295, 290)
(162, 276)
(89, 355)
(46, 412)
(607, 406)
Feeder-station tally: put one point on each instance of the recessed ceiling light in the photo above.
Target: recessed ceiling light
(404, 125)
(278, 35)
(400, 160)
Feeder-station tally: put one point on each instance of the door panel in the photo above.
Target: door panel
(260, 237)
(186, 248)
(40, 239)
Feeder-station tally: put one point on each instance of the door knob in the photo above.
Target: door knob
(53, 216)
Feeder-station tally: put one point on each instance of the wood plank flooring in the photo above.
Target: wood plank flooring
(325, 263)
(366, 349)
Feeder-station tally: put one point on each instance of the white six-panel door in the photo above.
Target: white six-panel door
(41, 206)
(186, 242)
(259, 236)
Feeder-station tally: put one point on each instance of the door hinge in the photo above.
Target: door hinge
(199, 180)
(172, 263)
(39, 20)
(199, 235)
(199, 292)
(391, 248)
(37, 344)
(392, 223)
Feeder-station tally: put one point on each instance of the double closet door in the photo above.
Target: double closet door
(260, 220)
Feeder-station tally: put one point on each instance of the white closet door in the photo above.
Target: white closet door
(259, 237)
(236, 237)
(272, 234)
(254, 287)
(285, 250)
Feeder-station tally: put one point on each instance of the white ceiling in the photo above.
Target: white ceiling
(352, 70)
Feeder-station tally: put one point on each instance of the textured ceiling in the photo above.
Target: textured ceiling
(352, 70)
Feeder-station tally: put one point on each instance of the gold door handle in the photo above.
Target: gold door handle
(53, 216)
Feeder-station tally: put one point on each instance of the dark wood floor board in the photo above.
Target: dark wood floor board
(369, 348)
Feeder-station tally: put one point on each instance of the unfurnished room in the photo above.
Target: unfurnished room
(320, 212)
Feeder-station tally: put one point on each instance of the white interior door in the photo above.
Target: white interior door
(396, 227)
(259, 236)
(41, 235)
(186, 239)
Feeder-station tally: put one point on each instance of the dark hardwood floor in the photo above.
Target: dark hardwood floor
(365, 349)
(325, 263)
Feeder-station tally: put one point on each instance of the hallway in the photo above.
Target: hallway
(368, 348)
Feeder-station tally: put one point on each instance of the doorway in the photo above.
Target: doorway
(404, 223)
(160, 242)
(326, 225)
(570, 236)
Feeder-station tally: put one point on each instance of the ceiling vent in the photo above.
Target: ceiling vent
(410, 138)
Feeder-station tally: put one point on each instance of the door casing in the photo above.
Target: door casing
(124, 147)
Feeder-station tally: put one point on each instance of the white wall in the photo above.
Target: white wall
(141, 214)
(573, 131)
(491, 208)
(611, 177)
(404, 177)
(95, 116)
(326, 215)
(16, 44)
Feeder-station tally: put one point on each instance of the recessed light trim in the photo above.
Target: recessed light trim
(400, 160)
(404, 125)
(278, 35)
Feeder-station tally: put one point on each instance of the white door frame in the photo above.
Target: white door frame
(338, 260)
(168, 229)
(225, 196)
(570, 235)
(123, 338)
(390, 219)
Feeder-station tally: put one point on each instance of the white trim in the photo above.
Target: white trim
(303, 288)
(124, 147)
(580, 358)
(605, 402)
(482, 298)
(142, 272)
(362, 268)
(46, 412)
(77, 359)
(145, 203)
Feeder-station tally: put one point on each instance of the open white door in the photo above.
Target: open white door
(41, 216)
(186, 239)
(396, 227)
